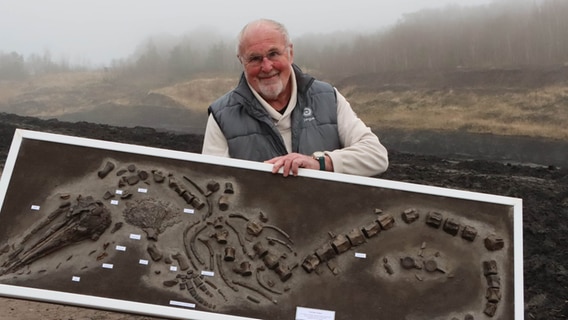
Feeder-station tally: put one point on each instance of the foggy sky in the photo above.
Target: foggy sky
(97, 31)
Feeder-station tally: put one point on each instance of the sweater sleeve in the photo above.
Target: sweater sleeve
(214, 142)
(362, 154)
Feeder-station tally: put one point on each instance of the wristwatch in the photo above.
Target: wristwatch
(320, 156)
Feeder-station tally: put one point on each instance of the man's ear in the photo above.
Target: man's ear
(291, 52)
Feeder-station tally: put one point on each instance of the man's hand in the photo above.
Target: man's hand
(292, 162)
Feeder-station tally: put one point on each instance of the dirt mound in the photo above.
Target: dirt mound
(544, 191)
(148, 115)
(481, 146)
(137, 135)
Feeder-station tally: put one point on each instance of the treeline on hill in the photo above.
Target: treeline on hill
(504, 34)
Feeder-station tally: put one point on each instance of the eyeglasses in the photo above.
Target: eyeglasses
(274, 55)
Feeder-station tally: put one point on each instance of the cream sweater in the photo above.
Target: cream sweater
(363, 153)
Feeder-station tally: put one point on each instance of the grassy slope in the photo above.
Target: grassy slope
(539, 110)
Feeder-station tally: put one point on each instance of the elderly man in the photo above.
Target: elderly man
(280, 115)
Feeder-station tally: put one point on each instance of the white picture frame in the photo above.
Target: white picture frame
(511, 256)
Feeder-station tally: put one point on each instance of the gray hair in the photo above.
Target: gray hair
(275, 24)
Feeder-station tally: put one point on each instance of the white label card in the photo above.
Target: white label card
(76, 279)
(187, 210)
(135, 236)
(142, 190)
(114, 202)
(360, 255)
(34, 207)
(143, 262)
(107, 265)
(314, 314)
(120, 248)
(118, 191)
(182, 304)
(208, 273)
(173, 268)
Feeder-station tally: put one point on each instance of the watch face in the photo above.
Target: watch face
(318, 154)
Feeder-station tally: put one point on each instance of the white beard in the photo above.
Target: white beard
(271, 91)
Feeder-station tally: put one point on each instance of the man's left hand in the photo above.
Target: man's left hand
(292, 162)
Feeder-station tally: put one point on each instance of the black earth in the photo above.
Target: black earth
(544, 190)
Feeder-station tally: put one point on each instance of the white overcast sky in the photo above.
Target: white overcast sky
(97, 31)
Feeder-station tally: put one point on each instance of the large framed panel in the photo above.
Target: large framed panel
(187, 236)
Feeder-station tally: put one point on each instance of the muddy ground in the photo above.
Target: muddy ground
(544, 190)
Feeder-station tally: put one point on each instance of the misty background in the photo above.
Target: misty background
(334, 39)
(96, 32)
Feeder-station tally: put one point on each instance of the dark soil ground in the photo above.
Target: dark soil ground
(544, 190)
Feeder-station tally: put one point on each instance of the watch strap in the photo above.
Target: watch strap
(320, 157)
(322, 162)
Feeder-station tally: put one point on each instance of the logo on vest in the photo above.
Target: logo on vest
(308, 115)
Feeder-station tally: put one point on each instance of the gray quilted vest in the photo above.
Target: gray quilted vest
(251, 134)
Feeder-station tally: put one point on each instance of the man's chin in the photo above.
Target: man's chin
(270, 93)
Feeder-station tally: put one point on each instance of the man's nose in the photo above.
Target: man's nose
(266, 64)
